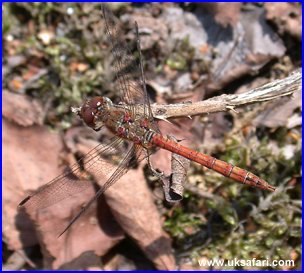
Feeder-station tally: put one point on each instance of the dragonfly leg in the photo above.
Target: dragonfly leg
(158, 174)
(171, 137)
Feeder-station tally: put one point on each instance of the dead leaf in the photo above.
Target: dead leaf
(32, 159)
(95, 231)
(287, 17)
(230, 52)
(133, 260)
(173, 185)
(123, 200)
(152, 30)
(25, 168)
(224, 13)
(187, 27)
(279, 112)
(133, 208)
(250, 46)
(21, 109)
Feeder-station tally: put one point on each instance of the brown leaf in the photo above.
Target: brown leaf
(132, 205)
(287, 17)
(173, 185)
(31, 160)
(155, 31)
(242, 49)
(31, 157)
(279, 111)
(21, 109)
(92, 232)
(224, 13)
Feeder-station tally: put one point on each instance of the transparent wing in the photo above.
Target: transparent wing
(68, 184)
(128, 69)
(131, 85)
(133, 157)
(102, 162)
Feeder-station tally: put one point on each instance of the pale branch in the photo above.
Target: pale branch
(270, 91)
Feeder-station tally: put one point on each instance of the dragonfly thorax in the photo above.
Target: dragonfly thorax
(100, 111)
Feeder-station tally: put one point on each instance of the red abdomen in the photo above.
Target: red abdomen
(222, 167)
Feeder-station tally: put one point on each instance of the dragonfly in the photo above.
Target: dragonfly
(130, 120)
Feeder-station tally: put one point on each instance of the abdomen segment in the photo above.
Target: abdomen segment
(222, 167)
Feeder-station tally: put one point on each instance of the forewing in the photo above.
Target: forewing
(134, 155)
(128, 69)
(68, 183)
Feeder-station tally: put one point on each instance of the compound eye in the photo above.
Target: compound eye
(96, 102)
(87, 116)
(89, 109)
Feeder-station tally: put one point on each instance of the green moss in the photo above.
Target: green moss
(244, 222)
(181, 56)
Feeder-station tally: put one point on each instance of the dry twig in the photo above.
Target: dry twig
(269, 91)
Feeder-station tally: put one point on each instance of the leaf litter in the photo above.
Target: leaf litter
(54, 58)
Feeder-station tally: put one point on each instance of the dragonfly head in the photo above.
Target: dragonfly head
(93, 109)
